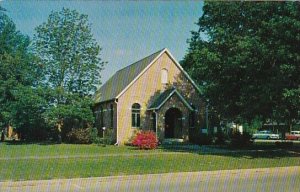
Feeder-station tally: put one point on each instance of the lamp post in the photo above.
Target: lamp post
(103, 128)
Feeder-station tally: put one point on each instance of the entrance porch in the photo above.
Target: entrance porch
(169, 116)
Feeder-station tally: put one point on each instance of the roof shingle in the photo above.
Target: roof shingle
(163, 97)
(122, 78)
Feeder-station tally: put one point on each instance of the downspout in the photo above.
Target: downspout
(156, 116)
(116, 102)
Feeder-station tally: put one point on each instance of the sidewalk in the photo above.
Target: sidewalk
(194, 181)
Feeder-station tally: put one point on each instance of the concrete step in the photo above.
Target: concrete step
(170, 141)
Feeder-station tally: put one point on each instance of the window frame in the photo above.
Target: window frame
(164, 76)
(136, 115)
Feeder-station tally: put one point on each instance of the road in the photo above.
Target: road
(266, 179)
(274, 140)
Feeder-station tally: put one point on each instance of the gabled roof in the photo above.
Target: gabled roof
(122, 78)
(165, 96)
(125, 77)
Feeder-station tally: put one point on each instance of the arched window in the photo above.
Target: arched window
(164, 76)
(136, 115)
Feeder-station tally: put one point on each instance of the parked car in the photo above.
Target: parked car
(294, 135)
(266, 134)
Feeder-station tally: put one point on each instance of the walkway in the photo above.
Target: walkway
(265, 179)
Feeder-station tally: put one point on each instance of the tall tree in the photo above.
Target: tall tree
(21, 101)
(246, 55)
(69, 53)
(71, 60)
(16, 68)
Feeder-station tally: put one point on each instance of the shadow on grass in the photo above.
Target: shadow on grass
(17, 142)
(249, 152)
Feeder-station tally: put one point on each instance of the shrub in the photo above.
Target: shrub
(285, 144)
(201, 139)
(94, 135)
(106, 138)
(145, 140)
(109, 137)
(240, 140)
(220, 138)
(79, 136)
(130, 140)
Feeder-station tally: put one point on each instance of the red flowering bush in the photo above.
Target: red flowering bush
(145, 140)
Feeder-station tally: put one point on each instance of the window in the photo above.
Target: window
(164, 76)
(111, 115)
(136, 115)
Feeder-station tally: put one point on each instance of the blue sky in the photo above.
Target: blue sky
(126, 30)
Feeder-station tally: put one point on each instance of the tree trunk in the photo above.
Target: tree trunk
(59, 127)
(290, 126)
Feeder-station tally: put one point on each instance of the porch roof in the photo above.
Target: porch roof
(165, 96)
(122, 78)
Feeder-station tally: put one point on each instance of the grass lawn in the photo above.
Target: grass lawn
(41, 150)
(33, 161)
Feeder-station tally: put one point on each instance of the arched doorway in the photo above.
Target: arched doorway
(173, 123)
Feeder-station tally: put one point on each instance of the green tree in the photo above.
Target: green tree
(246, 55)
(21, 103)
(69, 53)
(16, 68)
(26, 112)
(70, 57)
(77, 113)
